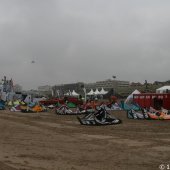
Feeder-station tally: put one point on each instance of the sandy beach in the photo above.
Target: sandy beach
(46, 141)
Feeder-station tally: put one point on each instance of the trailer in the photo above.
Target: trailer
(154, 100)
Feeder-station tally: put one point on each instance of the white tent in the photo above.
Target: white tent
(91, 92)
(103, 92)
(164, 89)
(96, 92)
(67, 94)
(74, 93)
(130, 97)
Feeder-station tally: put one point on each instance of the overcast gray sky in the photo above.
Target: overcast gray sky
(84, 40)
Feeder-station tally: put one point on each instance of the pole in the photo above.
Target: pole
(85, 95)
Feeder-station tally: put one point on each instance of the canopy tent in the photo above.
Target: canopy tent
(130, 97)
(164, 89)
(96, 92)
(91, 92)
(103, 92)
(74, 93)
(69, 93)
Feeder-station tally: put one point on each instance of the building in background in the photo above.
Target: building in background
(60, 90)
(45, 90)
(90, 86)
(111, 84)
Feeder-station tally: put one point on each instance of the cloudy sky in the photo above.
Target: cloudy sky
(84, 40)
